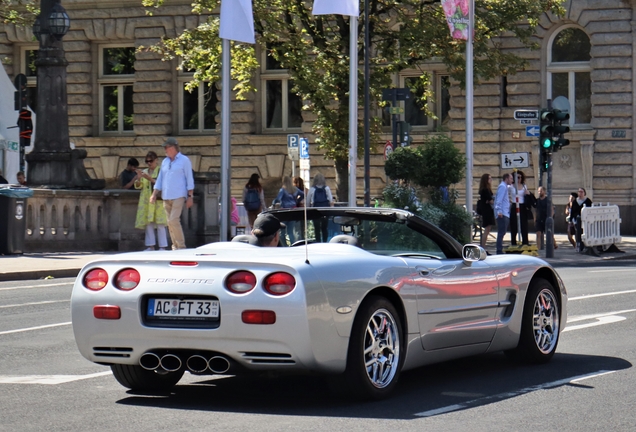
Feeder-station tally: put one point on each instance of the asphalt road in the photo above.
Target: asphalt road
(45, 384)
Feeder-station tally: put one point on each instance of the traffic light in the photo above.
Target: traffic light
(20, 96)
(404, 133)
(546, 131)
(26, 127)
(558, 129)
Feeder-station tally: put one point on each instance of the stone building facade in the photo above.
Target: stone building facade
(116, 113)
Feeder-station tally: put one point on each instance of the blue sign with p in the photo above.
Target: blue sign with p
(304, 148)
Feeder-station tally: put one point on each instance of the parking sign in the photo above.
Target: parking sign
(304, 148)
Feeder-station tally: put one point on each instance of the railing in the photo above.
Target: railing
(83, 220)
(601, 225)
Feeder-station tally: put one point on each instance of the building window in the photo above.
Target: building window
(438, 105)
(116, 74)
(28, 55)
(282, 108)
(568, 73)
(198, 107)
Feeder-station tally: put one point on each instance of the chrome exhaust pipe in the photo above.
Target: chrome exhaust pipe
(219, 365)
(171, 362)
(149, 361)
(197, 363)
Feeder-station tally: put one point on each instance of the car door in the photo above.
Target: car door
(456, 302)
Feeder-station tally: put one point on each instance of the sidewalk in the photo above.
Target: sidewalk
(68, 264)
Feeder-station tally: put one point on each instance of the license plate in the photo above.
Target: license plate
(183, 308)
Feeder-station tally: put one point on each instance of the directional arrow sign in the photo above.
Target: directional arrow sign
(532, 131)
(514, 160)
(526, 114)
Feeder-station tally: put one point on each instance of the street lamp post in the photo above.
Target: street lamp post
(52, 163)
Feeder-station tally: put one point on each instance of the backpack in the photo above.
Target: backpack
(320, 197)
(252, 200)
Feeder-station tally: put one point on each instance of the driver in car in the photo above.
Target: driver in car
(267, 230)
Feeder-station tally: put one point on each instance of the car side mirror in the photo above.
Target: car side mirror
(472, 253)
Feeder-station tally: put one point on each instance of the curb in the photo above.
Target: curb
(39, 274)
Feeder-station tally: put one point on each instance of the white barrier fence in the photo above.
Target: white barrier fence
(601, 225)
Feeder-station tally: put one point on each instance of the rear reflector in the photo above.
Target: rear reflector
(107, 312)
(95, 279)
(258, 317)
(184, 263)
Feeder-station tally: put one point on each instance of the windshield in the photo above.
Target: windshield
(382, 237)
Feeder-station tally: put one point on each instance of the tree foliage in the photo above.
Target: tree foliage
(404, 34)
(19, 12)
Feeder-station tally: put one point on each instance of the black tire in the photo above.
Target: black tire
(540, 325)
(137, 378)
(377, 324)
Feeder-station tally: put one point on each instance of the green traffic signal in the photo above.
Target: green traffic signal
(546, 143)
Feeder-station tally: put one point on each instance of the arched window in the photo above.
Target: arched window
(569, 72)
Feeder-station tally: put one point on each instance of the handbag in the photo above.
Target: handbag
(530, 201)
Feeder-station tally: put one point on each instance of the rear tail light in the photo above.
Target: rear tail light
(240, 282)
(107, 312)
(279, 283)
(127, 279)
(95, 279)
(258, 317)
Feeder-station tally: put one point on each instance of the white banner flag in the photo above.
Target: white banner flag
(237, 21)
(337, 7)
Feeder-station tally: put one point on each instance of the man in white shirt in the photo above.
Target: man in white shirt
(502, 210)
(176, 184)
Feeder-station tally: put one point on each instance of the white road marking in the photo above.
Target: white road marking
(34, 328)
(576, 318)
(48, 379)
(585, 297)
(36, 286)
(600, 321)
(34, 303)
(502, 396)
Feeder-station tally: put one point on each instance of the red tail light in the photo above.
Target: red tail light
(107, 312)
(258, 317)
(240, 282)
(127, 279)
(279, 283)
(95, 279)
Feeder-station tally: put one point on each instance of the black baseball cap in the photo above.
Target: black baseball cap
(266, 224)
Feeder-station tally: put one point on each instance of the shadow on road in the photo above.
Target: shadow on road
(462, 384)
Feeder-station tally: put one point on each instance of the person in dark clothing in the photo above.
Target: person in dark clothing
(485, 208)
(131, 174)
(577, 205)
(568, 218)
(541, 215)
(2, 179)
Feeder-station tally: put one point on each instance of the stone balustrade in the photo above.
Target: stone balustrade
(83, 220)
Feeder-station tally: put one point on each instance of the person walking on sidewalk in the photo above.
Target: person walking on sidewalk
(151, 217)
(253, 198)
(541, 205)
(502, 210)
(522, 194)
(485, 207)
(176, 185)
(568, 218)
(577, 205)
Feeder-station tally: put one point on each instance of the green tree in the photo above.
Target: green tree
(315, 49)
(19, 12)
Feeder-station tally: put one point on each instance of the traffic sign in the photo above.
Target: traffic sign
(304, 148)
(526, 114)
(514, 160)
(533, 131)
(292, 140)
(527, 122)
(388, 149)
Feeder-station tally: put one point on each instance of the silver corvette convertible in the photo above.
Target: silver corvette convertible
(385, 291)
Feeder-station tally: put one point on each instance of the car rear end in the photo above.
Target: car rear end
(171, 310)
